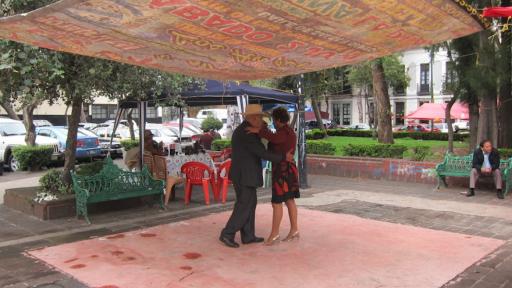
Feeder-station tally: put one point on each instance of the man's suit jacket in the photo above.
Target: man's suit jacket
(246, 155)
(478, 159)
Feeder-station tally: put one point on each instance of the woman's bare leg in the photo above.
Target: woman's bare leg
(292, 213)
(277, 215)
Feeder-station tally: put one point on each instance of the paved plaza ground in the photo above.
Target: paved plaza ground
(402, 208)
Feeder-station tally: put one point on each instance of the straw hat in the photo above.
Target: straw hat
(253, 109)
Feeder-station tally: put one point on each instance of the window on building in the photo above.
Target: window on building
(399, 113)
(112, 111)
(400, 89)
(371, 113)
(346, 114)
(336, 113)
(346, 87)
(424, 78)
(151, 112)
(450, 77)
(99, 111)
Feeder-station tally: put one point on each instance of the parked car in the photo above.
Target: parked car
(87, 125)
(219, 113)
(12, 133)
(42, 123)
(416, 128)
(87, 145)
(313, 124)
(359, 126)
(115, 150)
(194, 129)
(461, 125)
(124, 123)
(104, 133)
(162, 134)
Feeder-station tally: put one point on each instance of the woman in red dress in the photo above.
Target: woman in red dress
(285, 184)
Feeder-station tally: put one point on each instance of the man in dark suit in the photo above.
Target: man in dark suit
(246, 175)
(486, 162)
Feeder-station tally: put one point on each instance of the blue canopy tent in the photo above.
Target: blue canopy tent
(213, 93)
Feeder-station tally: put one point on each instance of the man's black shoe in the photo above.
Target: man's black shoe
(470, 193)
(500, 194)
(229, 242)
(254, 240)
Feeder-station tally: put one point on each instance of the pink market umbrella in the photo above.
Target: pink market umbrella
(432, 111)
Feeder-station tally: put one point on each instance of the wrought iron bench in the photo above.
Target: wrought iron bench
(460, 166)
(113, 183)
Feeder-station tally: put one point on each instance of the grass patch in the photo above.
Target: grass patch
(437, 147)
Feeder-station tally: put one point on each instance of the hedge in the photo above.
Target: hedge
(375, 150)
(320, 147)
(52, 183)
(90, 169)
(33, 157)
(129, 144)
(368, 133)
(220, 144)
(420, 152)
(315, 134)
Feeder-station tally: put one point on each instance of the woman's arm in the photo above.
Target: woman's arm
(275, 138)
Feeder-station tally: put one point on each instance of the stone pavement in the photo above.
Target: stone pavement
(396, 202)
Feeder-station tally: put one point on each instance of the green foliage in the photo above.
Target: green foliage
(211, 123)
(320, 147)
(412, 135)
(129, 144)
(52, 183)
(221, 144)
(375, 150)
(505, 153)
(420, 152)
(360, 75)
(33, 157)
(90, 169)
(315, 134)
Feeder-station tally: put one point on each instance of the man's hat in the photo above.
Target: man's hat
(253, 109)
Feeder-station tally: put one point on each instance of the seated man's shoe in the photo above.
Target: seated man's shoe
(500, 194)
(229, 242)
(470, 193)
(254, 240)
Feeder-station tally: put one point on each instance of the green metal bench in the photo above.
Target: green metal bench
(113, 183)
(461, 166)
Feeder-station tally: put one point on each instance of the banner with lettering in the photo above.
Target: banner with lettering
(242, 39)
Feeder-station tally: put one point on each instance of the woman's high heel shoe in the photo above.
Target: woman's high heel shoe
(272, 241)
(292, 237)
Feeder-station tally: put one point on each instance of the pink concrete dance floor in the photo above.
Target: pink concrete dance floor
(335, 250)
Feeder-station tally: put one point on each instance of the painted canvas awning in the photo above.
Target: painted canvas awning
(241, 39)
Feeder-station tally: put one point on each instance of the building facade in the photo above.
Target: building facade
(351, 106)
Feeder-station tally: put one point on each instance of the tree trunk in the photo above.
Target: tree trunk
(83, 117)
(383, 106)
(10, 111)
(449, 122)
(70, 153)
(318, 116)
(129, 118)
(487, 94)
(28, 121)
(505, 86)
(474, 117)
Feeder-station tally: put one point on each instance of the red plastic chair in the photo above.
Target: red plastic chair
(195, 175)
(227, 153)
(223, 181)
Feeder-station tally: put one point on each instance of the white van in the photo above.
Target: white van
(219, 113)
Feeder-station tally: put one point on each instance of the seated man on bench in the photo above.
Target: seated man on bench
(486, 162)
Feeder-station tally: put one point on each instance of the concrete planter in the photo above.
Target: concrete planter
(21, 199)
(378, 168)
